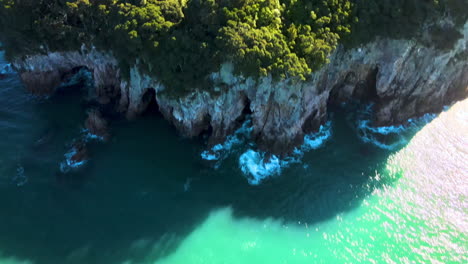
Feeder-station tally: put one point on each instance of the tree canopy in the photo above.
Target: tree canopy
(182, 41)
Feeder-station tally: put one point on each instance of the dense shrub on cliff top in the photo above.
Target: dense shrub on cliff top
(182, 41)
(404, 19)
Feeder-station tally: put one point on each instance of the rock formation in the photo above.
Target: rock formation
(97, 125)
(403, 78)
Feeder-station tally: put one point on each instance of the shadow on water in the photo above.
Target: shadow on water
(147, 182)
(330, 180)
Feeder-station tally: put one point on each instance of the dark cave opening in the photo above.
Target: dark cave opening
(366, 90)
(149, 105)
(352, 92)
(246, 112)
(207, 132)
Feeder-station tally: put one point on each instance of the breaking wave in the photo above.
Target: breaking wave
(258, 165)
(69, 163)
(316, 140)
(6, 69)
(219, 152)
(388, 137)
(88, 136)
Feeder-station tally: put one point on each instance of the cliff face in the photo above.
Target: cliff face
(403, 78)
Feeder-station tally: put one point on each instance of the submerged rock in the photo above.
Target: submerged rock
(402, 77)
(79, 154)
(75, 158)
(96, 125)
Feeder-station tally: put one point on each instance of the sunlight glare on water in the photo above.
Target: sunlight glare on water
(420, 218)
(341, 201)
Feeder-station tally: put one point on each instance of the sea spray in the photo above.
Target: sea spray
(85, 138)
(70, 163)
(316, 140)
(258, 165)
(394, 137)
(219, 152)
(88, 136)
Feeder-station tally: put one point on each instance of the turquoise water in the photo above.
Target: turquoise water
(147, 196)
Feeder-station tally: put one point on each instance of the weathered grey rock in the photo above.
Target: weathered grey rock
(41, 83)
(402, 77)
(42, 74)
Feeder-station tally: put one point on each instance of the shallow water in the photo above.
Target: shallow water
(419, 218)
(147, 195)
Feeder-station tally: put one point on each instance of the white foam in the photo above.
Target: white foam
(208, 155)
(316, 140)
(219, 152)
(69, 164)
(257, 167)
(369, 134)
(90, 136)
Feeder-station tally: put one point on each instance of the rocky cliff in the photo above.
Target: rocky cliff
(403, 78)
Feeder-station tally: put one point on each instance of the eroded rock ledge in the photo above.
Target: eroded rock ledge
(402, 78)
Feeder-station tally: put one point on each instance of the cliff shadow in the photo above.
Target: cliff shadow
(330, 180)
(147, 184)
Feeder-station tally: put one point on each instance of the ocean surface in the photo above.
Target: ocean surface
(350, 194)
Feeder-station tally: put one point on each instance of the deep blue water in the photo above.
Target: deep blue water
(147, 184)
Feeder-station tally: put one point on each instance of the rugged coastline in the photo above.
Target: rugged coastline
(403, 79)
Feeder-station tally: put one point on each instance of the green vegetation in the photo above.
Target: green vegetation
(400, 19)
(182, 41)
